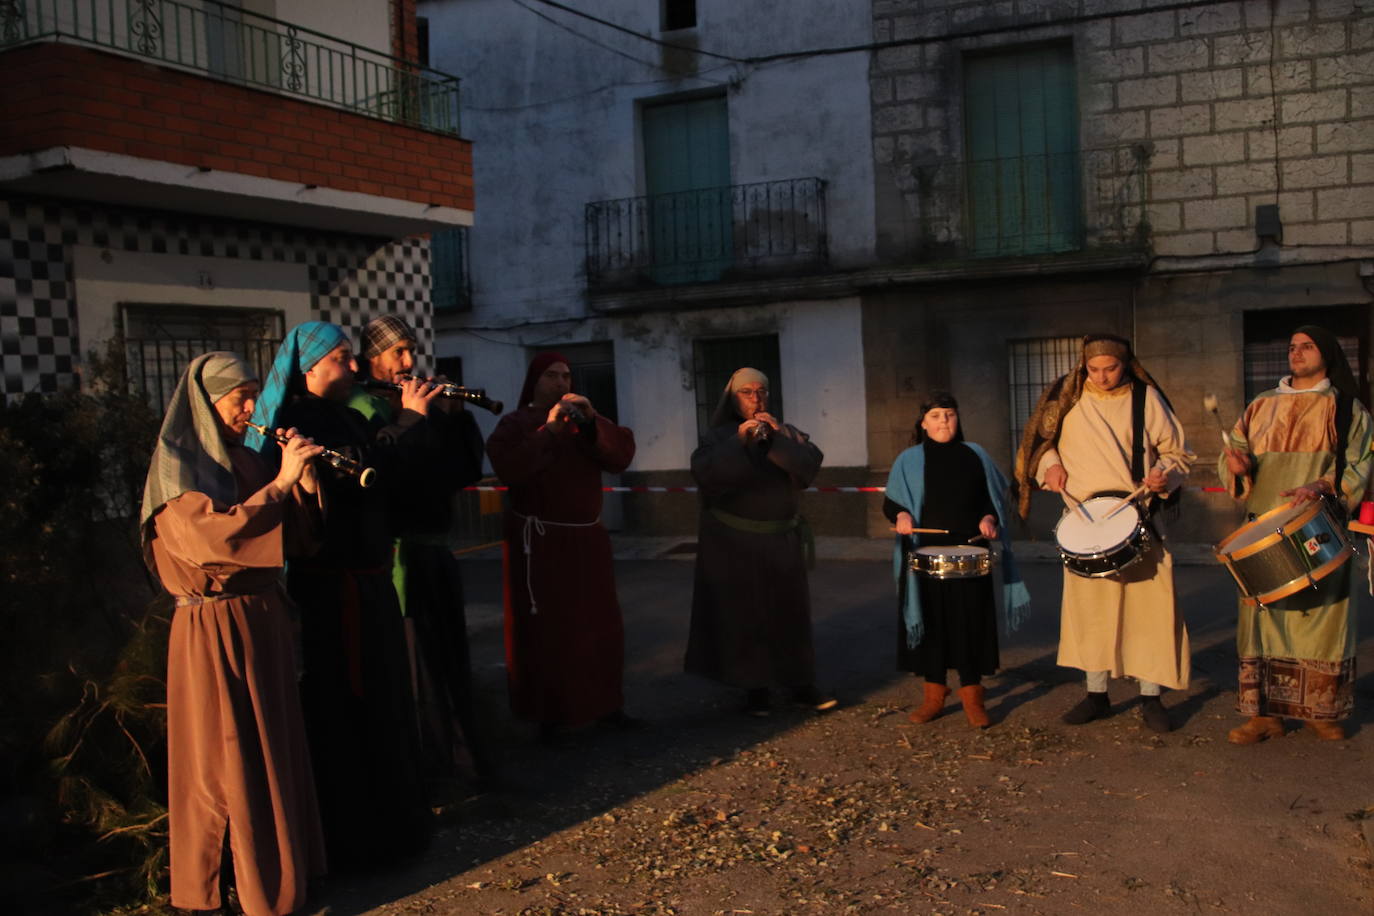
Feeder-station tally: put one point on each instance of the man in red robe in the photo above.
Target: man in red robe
(565, 652)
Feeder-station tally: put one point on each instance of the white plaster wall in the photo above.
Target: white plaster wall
(363, 22)
(820, 345)
(104, 278)
(554, 120)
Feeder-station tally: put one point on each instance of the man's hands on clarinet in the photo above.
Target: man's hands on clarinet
(570, 410)
(416, 394)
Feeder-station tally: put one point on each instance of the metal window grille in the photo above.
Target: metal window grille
(159, 340)
(715, 360)
(450, 283)
(707, 234)
(1032, 364)
(1267, 332)
(1266, 361)
(242, 46)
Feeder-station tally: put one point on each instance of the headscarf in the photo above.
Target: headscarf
(1343, 380)
(304, 346)
(1042, 432)
(726, 411)
(538, 366)
(191, 454)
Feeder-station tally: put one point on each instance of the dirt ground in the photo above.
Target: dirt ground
(707, 811)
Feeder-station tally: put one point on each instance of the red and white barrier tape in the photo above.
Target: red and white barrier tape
(807, 490)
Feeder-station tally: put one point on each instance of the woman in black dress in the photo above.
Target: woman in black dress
(944, 482)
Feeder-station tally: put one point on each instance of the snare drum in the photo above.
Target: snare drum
(1284, 551)
(953, 561)
(1106, 545)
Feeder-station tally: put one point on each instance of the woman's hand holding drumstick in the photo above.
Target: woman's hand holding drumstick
(906, 525)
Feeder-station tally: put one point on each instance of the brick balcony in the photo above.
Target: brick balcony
(90, 124)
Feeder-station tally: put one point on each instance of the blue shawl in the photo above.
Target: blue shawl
(906, 487)
(303, 347)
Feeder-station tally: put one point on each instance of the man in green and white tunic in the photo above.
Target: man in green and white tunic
(1293, 445)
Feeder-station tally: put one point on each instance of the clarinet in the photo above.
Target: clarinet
(474, 396)
(337, 460)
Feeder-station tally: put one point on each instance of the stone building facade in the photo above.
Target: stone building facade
(1224, 182)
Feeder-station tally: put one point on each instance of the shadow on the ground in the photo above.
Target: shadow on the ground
(691, 722)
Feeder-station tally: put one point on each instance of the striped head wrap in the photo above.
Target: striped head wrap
(190, 453)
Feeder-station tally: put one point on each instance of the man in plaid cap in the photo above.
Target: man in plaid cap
(441, 455)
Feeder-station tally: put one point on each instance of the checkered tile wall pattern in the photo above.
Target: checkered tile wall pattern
(352, 279)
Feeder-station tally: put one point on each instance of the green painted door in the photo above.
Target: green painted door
(687, 179)
(1022, 177)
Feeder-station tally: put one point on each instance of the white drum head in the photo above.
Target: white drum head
(952, 550)
(1076, 534)
(1255, 530)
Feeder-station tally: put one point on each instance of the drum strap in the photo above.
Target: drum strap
(1138, 448)
(1137, 430)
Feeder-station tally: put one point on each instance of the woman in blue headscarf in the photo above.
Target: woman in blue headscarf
(943, 482)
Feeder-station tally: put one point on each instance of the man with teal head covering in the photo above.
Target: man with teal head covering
(356, 692)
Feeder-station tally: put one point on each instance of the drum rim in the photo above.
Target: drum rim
(951, 565)
(1298, 583)
(1141, 528)
(1270, 539)
(1147, 539)
(976, 550)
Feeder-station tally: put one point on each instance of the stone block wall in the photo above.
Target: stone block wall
(1236, 104)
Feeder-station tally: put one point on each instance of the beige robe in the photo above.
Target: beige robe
(236, 747)
(1126, 624)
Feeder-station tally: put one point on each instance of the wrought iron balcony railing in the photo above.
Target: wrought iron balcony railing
(1027, 205)
(240, 46)
(706, 235)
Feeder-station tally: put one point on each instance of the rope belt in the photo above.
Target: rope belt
(194, 600)
(536, 525)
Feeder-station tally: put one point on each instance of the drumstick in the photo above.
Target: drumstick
(1078, 504)
(1124, 501)
(1164, 465)
(978, 537)
(1209, 404)
(926, 530)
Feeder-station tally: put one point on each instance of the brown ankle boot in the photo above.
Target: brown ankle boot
(933, 705)
(1327, 731)
(1256, 730)
(972, 698)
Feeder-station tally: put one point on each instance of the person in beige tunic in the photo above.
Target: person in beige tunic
(213, 524)
(1082, 442)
